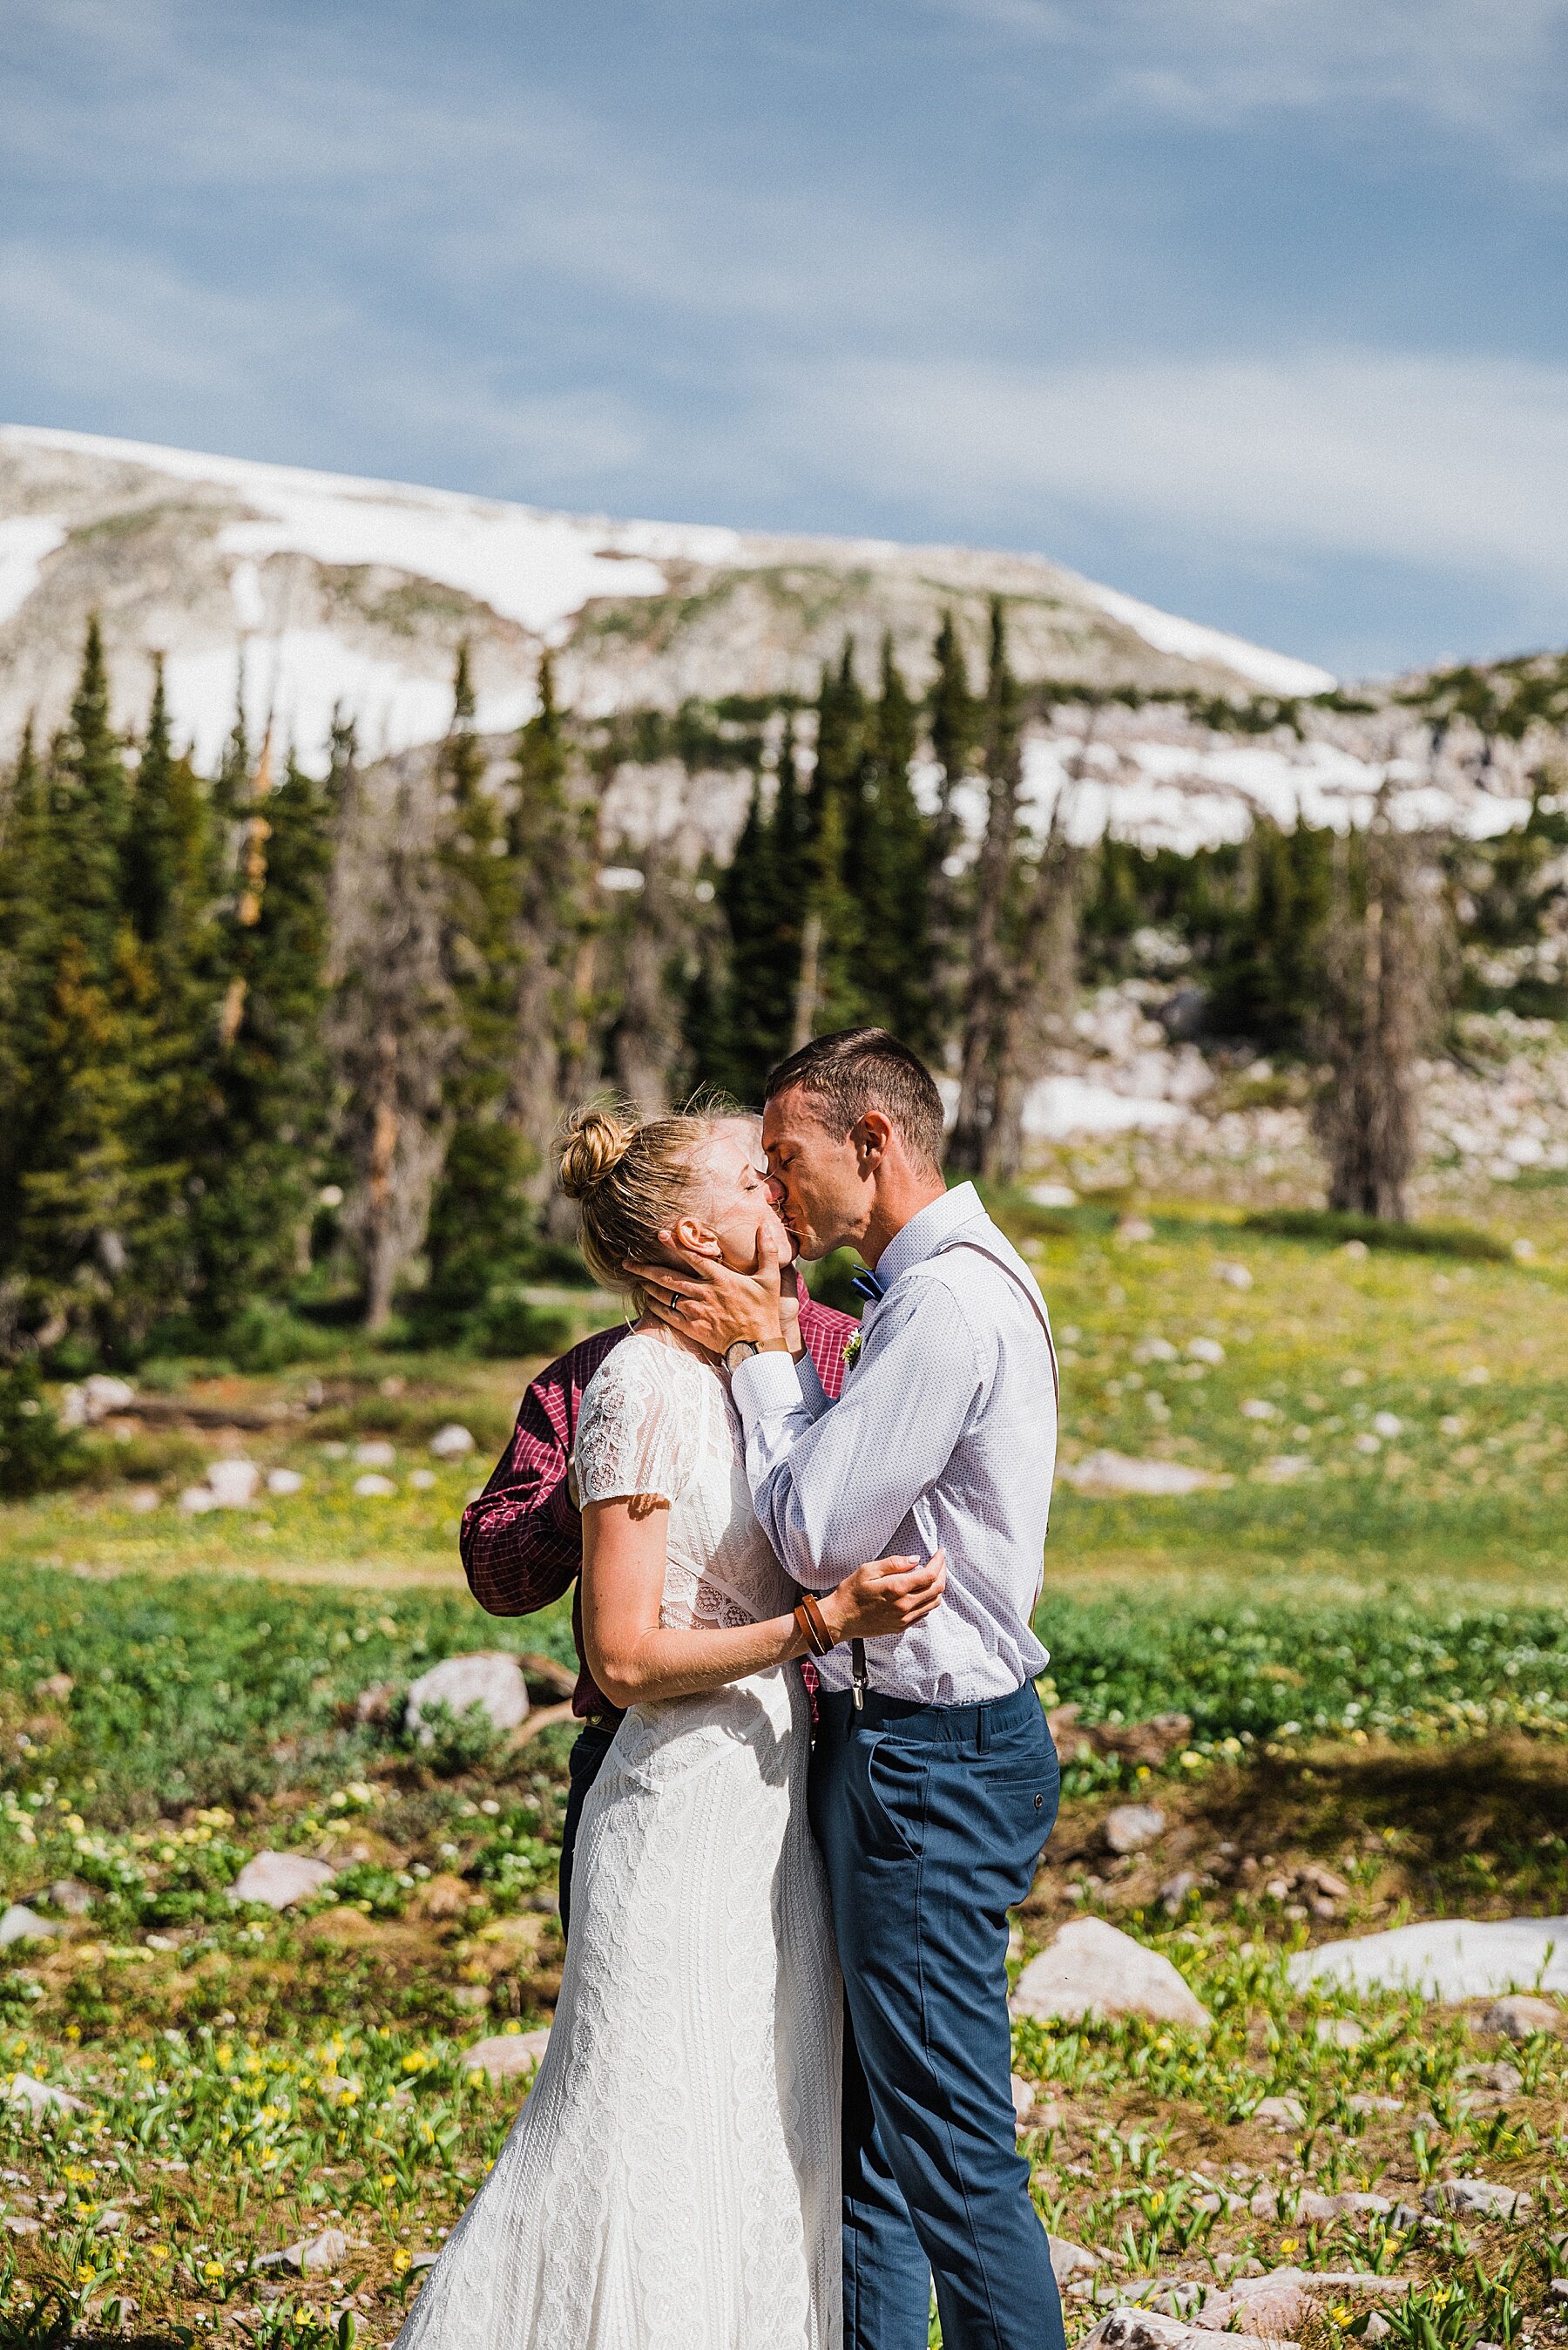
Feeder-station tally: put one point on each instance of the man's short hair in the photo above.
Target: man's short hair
(858, 1069)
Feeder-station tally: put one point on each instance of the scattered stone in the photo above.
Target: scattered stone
(374, 1488)
(195, 1499)
(1133, 1228)
(471, 1995)
(1206, 1350)
(1022, 2098)
(421, 1479)
(376, 1454)
(1284, 1468)
(1259, 1407)
(280, 1878)
(1377, 2327)
(1283, 2113)
(1558, 2289)
(1446, 1958)
(1340, 2031)
(1504, 2080)
(508, 2054)
(1053, 1195)
(490, 1679)
(72, 1896)
(1173, 1893)
(283, 1481)
(1234, 1276)
(1132, 1825)
(1148, 2329)
(108, 2221)
(328, 2251)
(1356, 1250)
(1324, 1881)
(451, 1443)
(21, 2226)
(20, 1924)
(1366, 2102)
(142, 1500)
(1520, 2016)
(375, 1703)
(102, 1395)
(428, 2261)
(1104, 1475)
(54, 1688)
(1477, 2198)
(1069, 2260)
(234, 1484)
(42, 2097)
(1092, 1968)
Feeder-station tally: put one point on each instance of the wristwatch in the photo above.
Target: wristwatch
(741, 1352)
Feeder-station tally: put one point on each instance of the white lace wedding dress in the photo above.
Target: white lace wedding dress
(672, 2182)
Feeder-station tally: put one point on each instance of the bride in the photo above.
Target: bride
(672, 2182)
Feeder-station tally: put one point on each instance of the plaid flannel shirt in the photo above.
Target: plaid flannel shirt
(521, 1540)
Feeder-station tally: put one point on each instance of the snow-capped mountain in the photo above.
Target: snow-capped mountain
(304, 591)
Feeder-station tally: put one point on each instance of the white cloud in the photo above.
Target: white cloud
(1455, 462)
(1493, 72)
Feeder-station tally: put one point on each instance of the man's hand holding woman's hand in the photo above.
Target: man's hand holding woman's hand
(890, 1595)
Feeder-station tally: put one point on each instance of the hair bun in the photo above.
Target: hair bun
(597, 1141)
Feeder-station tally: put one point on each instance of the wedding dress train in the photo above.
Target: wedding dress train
(672, 2182)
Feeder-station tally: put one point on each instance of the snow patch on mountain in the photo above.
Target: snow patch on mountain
(1275, 672)
(24, 542)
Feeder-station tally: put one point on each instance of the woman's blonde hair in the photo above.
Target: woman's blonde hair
(631, 1181)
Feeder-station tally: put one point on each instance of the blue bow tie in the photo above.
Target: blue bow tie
(866, 1284)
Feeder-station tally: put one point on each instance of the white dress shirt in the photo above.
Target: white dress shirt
(944, 1438)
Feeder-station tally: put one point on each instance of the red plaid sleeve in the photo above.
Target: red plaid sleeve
(521, 1540)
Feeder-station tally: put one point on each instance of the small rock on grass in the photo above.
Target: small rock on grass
(508, 2054)
(1477, 2197)
(1519, 2015)
(1092, 1968)
(372, 1487)
(42, 2096)
(69, 1894)
(1070, 2260)
(451, 1443)
(1283, 2113)
(1146, 2329)
(20, 1924)
(1340, 2031)
(1132, 1825)
(489, 1677)
(280, 1878)
(328, 2251)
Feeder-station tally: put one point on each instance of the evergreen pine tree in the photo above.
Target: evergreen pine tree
(552, 842)
(481, 1223)
(827, 992)
(271, 1092)
(757, 998)
(95, 1221)
(891, 875)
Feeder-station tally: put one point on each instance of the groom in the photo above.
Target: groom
(934, 1782)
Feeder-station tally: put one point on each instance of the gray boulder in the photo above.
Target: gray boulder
(280, 1878)
(42, 2097)
(451, 1443)
(1092, 1968)
(20, 1924)
(1446, 1959)
(1132, 1825)
(1477, 2199)
(490, 1677)
(509, 2054)
(1519, 2015)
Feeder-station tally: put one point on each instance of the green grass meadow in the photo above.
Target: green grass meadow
(1370, 1644)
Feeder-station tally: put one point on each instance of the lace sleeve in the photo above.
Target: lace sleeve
(638, 1431)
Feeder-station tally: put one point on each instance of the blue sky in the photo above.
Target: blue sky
(1254, 308)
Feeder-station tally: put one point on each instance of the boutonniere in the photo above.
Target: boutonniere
(852, 1351)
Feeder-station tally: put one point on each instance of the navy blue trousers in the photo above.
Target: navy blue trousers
(932, 1820)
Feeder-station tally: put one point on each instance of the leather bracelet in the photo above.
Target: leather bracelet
(822, 1642)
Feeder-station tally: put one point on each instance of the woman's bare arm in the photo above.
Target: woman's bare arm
(635, 1660)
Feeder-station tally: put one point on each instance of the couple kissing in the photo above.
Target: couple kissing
(774, 2110)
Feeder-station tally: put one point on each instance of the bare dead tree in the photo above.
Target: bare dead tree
(1040, 990)
(646, 1037)
(1384, 985)
(393, 1031)
(985, 994)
